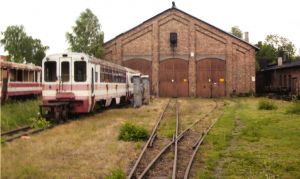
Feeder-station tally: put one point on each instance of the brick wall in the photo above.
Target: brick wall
(150, 41)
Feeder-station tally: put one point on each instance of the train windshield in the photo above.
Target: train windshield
(50, 71)
(80, 71)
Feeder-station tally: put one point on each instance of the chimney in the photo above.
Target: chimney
(279, 61)
(247, 37)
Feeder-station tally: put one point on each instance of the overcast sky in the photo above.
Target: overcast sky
(49, 20)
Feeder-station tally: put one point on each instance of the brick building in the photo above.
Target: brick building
(281, 78)
(185, 56)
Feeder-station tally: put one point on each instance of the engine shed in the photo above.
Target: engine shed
(185, 56)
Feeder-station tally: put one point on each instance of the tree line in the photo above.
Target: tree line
(87, 37)
(271, 48)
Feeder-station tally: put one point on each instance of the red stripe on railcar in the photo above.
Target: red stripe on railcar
(23, 84)
(20, 93)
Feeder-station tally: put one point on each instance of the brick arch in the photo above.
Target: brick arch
(173, 78)
(210, 78)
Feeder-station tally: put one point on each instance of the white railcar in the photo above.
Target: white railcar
(81, 81)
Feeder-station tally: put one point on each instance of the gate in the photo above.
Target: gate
(173, 78)
(210, 78)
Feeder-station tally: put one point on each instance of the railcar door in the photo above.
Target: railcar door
(92, 88)
(64, 73)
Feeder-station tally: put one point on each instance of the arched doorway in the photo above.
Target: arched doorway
(210, 78)
(173, 78)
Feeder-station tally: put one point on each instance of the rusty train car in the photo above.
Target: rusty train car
(76, 82)
(19, 80)
(281, 79)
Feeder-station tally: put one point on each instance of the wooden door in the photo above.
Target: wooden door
(210, 78)
(173, 78)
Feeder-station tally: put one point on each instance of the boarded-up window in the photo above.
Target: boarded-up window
(20, 76)
(13, 74)
(31, 76)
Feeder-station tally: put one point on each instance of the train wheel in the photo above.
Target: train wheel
(57, 115)
(65, 114)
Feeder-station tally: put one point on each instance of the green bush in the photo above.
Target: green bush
(116, 173)
(39, 123)
(265, 104)
(294, 108)
(132, 132)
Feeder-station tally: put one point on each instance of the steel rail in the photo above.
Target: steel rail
(180, 136)
(200, 140)
(148, 142)
(176, 143)
(33, 131)
(15, 131)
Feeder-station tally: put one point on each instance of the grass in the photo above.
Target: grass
(252, 143)
(116, 173)
(84, 148)
(266, 104)
(16, 114)
(132, 132)
(293, 108)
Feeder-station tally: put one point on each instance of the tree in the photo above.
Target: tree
(87, 36)
(21, 47)
(282, 44)
(236, 31)
(266, 51)
(274, 46)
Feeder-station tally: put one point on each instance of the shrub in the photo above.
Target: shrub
(294, 108)
(132, 132)
(116, 174)
(39, 123)
(265, 104)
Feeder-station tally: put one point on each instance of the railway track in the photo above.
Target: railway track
(17, 133)
(162, 158)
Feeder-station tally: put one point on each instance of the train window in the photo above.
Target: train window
(96, 76)
(102, 79)
(20, 76)
(80, 71)
(65, 71)
(13, 74)
(50, 71)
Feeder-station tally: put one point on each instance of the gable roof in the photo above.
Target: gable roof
(174, 8)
